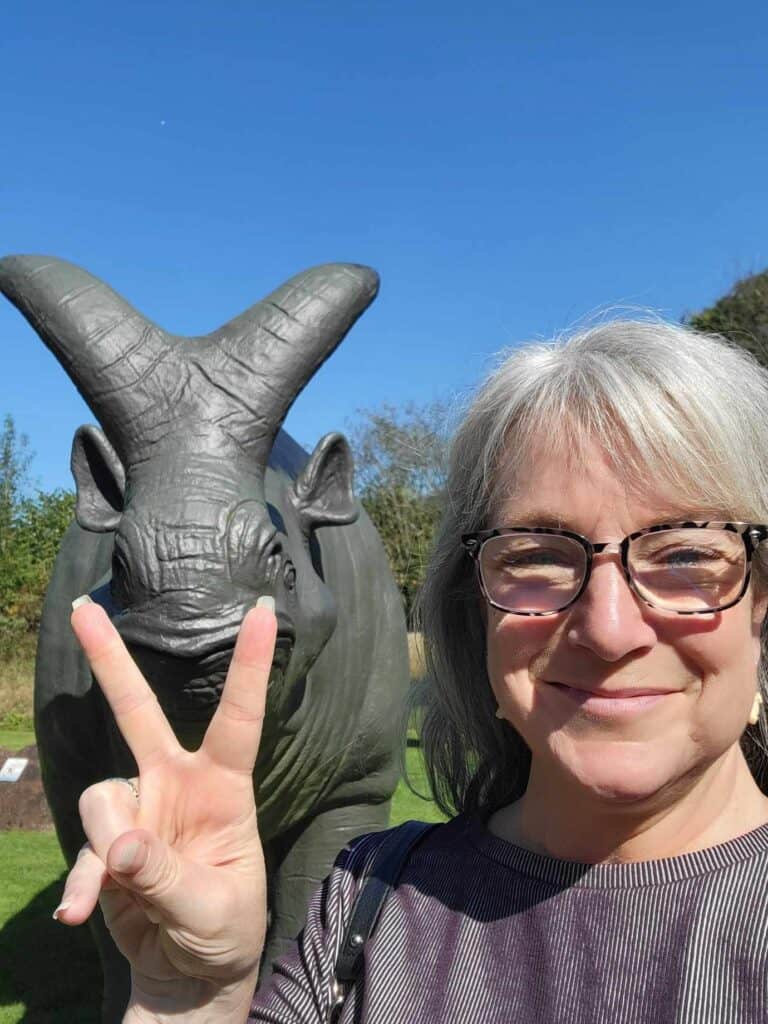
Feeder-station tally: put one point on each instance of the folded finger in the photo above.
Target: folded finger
(136, 709)
(82, 888)
(233, 737)
(107, 810)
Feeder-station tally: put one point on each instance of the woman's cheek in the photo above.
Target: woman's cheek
(517, 653)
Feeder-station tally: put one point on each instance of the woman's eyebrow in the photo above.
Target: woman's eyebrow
(560, 521)
(534, 518)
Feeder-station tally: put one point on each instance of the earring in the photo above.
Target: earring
(754, 714)
(499, 713)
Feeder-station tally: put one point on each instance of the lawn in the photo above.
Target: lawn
(45, 968)
(16, 739)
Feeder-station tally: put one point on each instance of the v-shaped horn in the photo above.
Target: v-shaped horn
(128, 369)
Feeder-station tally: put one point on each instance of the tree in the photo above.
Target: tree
(405, 447)
(15, 458)
(741, 315)
(401, 460)
(39, 526)
(31, 528)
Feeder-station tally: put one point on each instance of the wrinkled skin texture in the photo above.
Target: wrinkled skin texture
(191, 504)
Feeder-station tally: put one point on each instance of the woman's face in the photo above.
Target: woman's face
(688, 681)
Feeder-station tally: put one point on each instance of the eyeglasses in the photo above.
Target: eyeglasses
(687, 568)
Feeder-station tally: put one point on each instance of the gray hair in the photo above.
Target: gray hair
(686, 409)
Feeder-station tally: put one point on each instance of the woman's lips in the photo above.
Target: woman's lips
(610, 703)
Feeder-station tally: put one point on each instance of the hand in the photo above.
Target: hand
(180, 873)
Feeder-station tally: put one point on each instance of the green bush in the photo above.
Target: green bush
(31, 528)
(741, 315)
(29, 541)
(13, 635)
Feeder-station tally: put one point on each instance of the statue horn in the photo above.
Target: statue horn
(256, 364)
(108, 348)
(283, 340)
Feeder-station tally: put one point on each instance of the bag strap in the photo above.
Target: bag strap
(379, 879)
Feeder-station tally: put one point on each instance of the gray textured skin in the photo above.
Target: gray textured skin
(181, 525)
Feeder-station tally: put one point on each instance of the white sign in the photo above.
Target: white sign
(13, 769)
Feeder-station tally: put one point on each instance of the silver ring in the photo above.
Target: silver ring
(126, 782)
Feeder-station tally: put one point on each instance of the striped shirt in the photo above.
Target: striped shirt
(479, 931)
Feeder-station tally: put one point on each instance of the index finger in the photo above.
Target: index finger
(232, 739)
(137, 711)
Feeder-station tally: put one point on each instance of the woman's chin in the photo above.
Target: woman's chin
(621, 773)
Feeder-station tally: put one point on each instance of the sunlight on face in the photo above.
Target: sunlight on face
(624, 699)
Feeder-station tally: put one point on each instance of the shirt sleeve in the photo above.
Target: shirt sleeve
(299, 990)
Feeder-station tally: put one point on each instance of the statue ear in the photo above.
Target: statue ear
(100, 480)
(322, 494)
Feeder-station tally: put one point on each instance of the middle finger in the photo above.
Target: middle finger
(233, 736)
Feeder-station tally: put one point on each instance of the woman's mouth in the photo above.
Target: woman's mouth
(610, 703)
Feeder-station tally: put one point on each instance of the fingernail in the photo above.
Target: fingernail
(266, 601)
(84, 599)
(64, 905)
(126, 859)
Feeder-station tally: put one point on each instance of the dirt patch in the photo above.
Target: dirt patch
(22, 803)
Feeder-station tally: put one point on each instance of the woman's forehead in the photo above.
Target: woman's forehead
(560, 488)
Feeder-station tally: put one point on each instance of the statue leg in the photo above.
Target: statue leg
(71, 764)
(299, 867)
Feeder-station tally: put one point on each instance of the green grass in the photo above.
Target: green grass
(49, 973)
(16, 739)
(406, 805)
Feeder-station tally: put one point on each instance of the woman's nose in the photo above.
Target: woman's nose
(608, 619)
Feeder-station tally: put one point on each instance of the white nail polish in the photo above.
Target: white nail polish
(266, 601)
(64, 905)
(84, 599)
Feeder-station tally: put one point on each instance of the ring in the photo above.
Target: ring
(126, 782)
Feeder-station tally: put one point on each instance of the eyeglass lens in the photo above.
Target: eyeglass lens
(684, 570)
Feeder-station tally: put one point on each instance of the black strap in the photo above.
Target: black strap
(378, 881)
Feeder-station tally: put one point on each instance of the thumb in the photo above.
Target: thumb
(145, 865)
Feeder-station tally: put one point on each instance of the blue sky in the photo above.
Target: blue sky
(508, 168)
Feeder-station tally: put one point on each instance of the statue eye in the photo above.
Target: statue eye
(289, 575)
(273, 563)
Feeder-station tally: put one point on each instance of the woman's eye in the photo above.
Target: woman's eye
(687, 556)
(539, 557)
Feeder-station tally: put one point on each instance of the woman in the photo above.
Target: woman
(592, 618)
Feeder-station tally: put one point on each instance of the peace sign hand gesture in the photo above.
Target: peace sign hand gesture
(180, 872)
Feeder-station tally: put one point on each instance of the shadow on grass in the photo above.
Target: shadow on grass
(52, 970)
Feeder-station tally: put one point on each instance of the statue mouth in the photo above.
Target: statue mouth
(189, 689)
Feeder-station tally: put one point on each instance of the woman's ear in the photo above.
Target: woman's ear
(759, 624)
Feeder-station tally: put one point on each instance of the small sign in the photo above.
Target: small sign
(13, 769)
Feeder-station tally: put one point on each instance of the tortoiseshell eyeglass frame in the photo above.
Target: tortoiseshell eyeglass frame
(751, 534)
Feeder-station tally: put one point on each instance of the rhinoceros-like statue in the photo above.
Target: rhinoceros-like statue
(191, 503)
